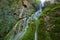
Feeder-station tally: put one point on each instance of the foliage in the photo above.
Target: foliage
(30, 33)
(8, 20)
(54, 14)
(7, 17)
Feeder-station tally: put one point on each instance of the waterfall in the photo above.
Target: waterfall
(34, 16)
(11, 34)
(37, 14)
(26, 22)
(20, 34)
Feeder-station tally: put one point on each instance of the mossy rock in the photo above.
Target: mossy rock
(49, 19)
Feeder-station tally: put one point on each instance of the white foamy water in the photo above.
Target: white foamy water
(36, 15)
(26, 21)
(33, 16)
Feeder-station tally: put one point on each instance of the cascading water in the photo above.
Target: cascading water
(37, 14)
(14, 36)
(20, 34)
(35, 17)
(26, 21)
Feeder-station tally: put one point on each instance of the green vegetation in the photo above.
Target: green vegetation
(43, 33)
(54, 16)
(30, 33)
(7, 19)
(48, 21)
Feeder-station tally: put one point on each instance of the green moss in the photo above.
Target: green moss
(53, 20)
(41, 30)
(30, 33)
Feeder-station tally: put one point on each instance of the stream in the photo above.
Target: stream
(25, 23)
(33, 16)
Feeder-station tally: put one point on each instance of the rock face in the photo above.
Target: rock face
(9, 14)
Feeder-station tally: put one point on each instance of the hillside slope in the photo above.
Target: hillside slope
(49, 23)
